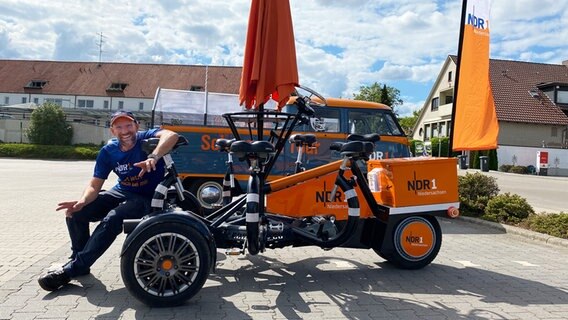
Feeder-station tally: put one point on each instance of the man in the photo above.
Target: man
(138, 175)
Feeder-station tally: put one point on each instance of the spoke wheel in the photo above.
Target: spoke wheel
(166, 265)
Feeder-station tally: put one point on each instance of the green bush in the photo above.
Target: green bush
(475, 190)
(48, 126)
(505, 167)
(508, 208)
(35, 151)
(554, 224)
(519, 169)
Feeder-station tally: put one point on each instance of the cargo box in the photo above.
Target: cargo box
(403, 182)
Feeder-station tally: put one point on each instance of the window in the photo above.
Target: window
(6, 100)
(141, 106)
(324, 120)
(85, 103)
(196, 88)
(117, 86)
(120, 105)
(554, 132)
(450, 76)
(449, 99)
(24, 100)
(36, 100)
(105, 104)
(35, 84)
(56, 101)
(371, 121)
(562, 97)
(427, 132)
(435, 104)
(448, 128)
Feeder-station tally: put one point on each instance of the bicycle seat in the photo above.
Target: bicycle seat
(148, 145)
(224, 144)
(371, 137)
(300, 139)
(258, 149)
(353, 148)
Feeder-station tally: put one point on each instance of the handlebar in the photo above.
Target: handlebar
(306, 103)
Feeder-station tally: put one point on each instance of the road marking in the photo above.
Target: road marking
(526, 264)
(467, 263)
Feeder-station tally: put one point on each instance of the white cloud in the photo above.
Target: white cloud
(341, 44)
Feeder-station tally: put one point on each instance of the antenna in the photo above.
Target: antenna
(100, 44)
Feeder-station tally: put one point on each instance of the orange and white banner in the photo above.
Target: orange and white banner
(475, 120)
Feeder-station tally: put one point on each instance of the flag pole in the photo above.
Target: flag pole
(456, 84)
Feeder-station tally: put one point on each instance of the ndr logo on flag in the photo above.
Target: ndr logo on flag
(478, 14)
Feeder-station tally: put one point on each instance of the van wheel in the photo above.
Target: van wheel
(416, 240)
(166, 265)
(209, 193)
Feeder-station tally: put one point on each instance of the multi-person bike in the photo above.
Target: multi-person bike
(169, 254)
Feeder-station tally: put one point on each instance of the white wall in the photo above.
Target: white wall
(71, 101)
(525, 156)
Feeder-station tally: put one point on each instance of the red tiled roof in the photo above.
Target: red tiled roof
(92, 78)
(511, 82)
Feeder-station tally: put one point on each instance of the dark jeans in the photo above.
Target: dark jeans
(110, 208)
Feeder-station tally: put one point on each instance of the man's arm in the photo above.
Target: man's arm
(168, 140)
(89, 195)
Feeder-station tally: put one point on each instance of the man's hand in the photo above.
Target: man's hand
(147, 165)
(70, 207)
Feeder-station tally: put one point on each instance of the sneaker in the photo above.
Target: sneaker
(53, 280)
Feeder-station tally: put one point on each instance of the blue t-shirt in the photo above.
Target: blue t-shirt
(111, 158)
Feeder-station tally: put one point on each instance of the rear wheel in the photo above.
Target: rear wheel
(416, 240)
(209, 193)
(166, 265)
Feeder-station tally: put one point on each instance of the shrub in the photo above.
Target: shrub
(508, 208)
(475, 190)
(505, 167)
(48, 126)
(34, 151)
(555, 224)
(519, 169)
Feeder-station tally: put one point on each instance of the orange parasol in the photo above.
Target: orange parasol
(269, 69)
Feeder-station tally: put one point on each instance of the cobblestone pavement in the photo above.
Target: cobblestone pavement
(480, 273)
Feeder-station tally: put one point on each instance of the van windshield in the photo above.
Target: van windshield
(367, 121)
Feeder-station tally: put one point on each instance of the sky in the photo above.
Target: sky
(341, 45)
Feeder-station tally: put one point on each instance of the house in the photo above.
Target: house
(89, 91)
(531, 101)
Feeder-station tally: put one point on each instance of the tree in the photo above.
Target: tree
(407, 123)
(381, 94)
(48, 126)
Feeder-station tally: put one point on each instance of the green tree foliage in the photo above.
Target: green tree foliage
(381, 94)
(48, 126)
(408, 123)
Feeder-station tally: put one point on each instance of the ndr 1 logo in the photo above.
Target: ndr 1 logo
(477, 22)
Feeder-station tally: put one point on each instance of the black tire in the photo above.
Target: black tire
(166, 265)
(190, 202)
(416, 241)
(209, 193)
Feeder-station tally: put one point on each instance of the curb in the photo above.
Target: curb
(519, 231)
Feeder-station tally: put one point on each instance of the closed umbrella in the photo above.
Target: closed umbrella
(269, 69)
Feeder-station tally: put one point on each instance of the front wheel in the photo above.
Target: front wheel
(416, 241)
(166, 265)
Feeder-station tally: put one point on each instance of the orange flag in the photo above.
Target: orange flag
(474, 121)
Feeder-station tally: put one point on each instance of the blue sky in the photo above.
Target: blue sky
(341, 44)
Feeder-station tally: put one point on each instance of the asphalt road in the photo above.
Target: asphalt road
(545, 194)
(480, 272)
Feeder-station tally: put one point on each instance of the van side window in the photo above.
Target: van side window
(324, 120)
(364, 122)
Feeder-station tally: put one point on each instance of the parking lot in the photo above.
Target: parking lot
(480, 273)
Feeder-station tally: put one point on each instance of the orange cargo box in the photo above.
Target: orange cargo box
(402, 182)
